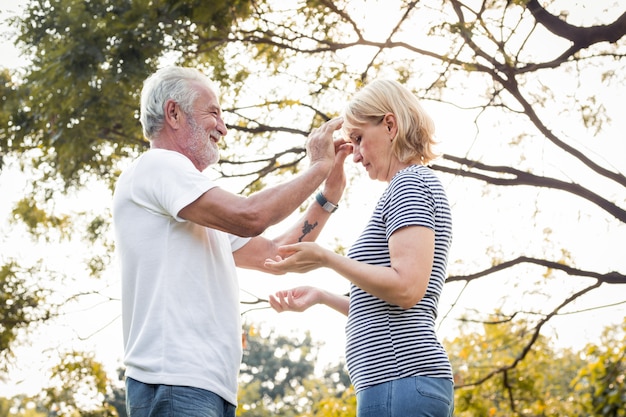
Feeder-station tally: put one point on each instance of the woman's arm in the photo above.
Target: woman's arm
(403, 284)
(307, 228)
(301, 298)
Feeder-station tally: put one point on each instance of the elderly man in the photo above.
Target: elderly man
(179, 238)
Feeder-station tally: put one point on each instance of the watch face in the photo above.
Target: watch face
(330, 207)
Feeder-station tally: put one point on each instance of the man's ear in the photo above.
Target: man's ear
(172, 113)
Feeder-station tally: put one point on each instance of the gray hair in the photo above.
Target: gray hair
(168, 83)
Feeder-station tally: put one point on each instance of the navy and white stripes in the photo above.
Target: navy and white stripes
(386, 342)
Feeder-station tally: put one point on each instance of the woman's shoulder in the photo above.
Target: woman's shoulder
(411, 176)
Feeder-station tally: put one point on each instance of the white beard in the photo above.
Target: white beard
(201, 146)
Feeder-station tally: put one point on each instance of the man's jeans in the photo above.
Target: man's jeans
(149, 400)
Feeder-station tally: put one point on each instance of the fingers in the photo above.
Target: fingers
(283, 301)
(342, 153)
(336, 180)
(276, 303)
(320, 140)
(279, 262)
(342, 147)
(273, 261)
(326, 129)
(333, 124)
(285, 251)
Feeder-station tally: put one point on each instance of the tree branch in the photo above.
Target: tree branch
(505, 73)
(581, 37)
(534, 337)
(613, 277)
(526, 178)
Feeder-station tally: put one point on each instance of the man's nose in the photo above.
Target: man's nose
(221, 127)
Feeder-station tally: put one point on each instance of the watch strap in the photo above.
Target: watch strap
(326, 205)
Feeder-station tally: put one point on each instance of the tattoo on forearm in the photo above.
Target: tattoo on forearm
(306, 229)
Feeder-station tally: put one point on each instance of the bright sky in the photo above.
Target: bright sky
(97, 320)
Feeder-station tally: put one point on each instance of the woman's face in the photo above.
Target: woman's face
(372, 148)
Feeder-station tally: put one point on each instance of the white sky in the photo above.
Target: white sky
(327, 326)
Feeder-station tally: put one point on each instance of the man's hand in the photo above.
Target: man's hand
(320, 146)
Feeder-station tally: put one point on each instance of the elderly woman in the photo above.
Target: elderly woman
(397, 267)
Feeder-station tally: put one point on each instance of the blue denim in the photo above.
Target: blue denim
(150, 400)
(407, 397)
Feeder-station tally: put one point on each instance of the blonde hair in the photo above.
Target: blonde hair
(414, 141)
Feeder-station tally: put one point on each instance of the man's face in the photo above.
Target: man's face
(202, 144)
(205, 128)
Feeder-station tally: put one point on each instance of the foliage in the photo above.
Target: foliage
(537, 82)
(21, 306)
(77, 104)
(601, 384)
(20, 406)
(492, 380)
(78, 387)
(277, 376)
(548, 382)
(334, 406)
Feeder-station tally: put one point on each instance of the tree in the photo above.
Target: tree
(79, 387)
(20, 407)
(601, 384)
(537, 82)
(21, 306)
(277, 375)
(537, 386)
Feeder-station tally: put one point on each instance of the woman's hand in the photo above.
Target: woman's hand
(299, 257)
(296, 299)
(336, 181)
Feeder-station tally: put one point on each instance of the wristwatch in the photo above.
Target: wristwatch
(326, 205)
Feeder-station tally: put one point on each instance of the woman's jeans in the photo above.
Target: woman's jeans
(407, 397)
(149, 400)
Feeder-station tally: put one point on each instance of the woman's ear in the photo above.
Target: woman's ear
(391, 124)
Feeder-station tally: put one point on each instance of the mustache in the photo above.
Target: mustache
(215, 135)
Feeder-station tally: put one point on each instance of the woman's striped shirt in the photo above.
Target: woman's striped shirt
(383, 341)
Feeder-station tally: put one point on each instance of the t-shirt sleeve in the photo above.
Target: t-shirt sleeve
(166, 182)
(237, 242)
(409, 202)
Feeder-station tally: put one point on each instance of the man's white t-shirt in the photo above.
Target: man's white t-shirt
(180, 294)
